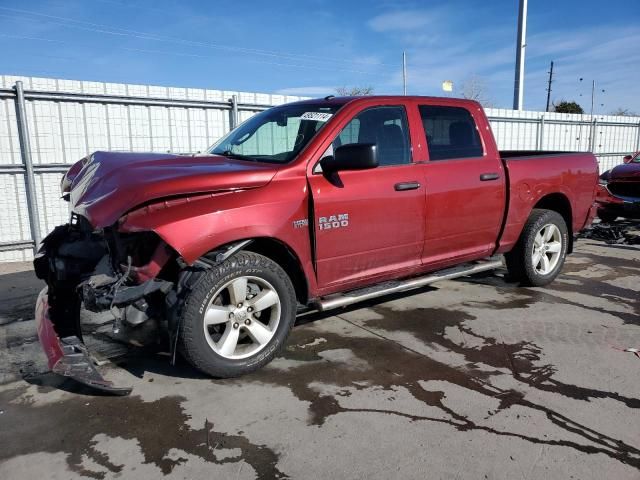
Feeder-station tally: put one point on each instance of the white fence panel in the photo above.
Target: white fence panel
(113, 116)
(62, 131)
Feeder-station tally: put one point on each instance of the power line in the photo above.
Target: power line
(111, 30)
(184, 54)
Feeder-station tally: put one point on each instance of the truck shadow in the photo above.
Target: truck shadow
(18, 294)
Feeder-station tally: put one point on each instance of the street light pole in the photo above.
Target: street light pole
(404, 73)
(593, 95)
(518, 88)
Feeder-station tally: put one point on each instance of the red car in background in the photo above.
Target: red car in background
(619, 190)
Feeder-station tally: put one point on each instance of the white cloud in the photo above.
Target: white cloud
(438, 51)
(607, 54)
(402, 20)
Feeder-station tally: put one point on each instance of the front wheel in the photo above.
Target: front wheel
(539, 255)
(238, 316)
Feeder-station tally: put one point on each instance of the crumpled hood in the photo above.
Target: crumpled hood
(106, 185)
(625, 173)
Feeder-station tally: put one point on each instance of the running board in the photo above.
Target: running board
(343, 299)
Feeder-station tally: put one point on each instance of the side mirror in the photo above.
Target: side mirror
(627, 158)
(356, 156)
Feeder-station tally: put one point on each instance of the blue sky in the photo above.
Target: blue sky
(311, 47)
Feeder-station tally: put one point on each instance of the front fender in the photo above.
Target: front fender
(196, 225)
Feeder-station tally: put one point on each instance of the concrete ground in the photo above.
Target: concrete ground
(476, 378)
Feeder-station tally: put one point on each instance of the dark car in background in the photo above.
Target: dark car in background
(619, 190)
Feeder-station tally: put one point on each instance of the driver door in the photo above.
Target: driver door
(369, 223)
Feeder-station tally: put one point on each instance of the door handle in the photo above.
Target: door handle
(485, 177)
(402, 186)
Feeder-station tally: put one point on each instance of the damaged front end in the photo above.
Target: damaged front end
(100, 270)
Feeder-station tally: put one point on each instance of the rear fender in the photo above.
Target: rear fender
(522, 200)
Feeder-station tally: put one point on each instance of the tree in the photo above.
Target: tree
(623, 112)
(565, 106)
(474, 88)
(354, 91)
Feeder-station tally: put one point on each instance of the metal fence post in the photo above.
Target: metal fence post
(638, 139)
(541, 133)
(594, 126)
(234, 111)
(25, 152)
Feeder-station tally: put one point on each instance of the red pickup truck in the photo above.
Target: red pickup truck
(315, 204)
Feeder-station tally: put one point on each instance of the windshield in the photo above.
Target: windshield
(276, 135)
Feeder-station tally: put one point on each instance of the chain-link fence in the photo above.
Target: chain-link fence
(48, 124)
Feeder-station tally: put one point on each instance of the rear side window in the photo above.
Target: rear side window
(451, 132)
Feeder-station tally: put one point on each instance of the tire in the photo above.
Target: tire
(520, 261)
(249, 304)
(607, 217)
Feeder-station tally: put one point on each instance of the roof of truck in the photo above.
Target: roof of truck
(333, 100)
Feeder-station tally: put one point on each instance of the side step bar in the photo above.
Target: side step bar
(343, 299)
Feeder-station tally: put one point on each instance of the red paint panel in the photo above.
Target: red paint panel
(385, 227)
(463, 214)
(111, 183)
(203, 223)
(46, 334)
(573, 175)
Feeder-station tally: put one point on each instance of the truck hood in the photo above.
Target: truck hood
(105, 185)
(628, 172)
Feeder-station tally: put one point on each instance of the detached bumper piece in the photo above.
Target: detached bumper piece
(68, 356)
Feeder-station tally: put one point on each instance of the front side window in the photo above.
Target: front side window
(276, 135)
(451, 132)
(386, 127)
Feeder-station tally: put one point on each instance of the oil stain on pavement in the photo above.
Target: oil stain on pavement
(158, 426)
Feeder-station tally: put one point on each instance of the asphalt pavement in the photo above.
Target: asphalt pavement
(474, 378)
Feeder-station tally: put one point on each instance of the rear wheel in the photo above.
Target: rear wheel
(540, 252)
(238, 316)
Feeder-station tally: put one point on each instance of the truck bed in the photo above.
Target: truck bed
(534, 174)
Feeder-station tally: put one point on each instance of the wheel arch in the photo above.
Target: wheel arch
(284, 256)
(559, 202)
(280, 253)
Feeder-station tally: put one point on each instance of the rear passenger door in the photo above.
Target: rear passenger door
(465, 184)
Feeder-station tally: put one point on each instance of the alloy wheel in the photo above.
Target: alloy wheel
(242, 317)
(547, 249)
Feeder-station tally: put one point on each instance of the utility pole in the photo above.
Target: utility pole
(404, 73)
(593, 94)
(518, 88)
(549, 86)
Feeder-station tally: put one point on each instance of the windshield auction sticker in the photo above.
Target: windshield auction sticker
(316, 116)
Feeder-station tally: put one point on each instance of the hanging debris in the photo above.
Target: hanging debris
(622, 233)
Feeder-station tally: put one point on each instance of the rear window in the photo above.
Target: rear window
(451, 132)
